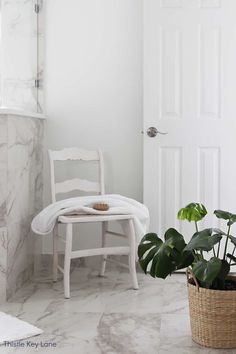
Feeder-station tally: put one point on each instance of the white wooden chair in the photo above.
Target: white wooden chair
(90, 187)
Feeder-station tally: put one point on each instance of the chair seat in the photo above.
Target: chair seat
(69, 219)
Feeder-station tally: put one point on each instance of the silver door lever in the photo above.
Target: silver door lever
(152, 132)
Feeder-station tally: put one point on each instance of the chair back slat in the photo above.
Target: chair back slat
(77, 184)
(76, 154)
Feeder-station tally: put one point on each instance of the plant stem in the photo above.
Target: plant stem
(234, 250)
(194, 256)
(232, 255)
(233, 264)
(197, 231)
(226, 242)
(214, 252)
(218, 251)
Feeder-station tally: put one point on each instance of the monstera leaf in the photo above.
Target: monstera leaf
(164, 256)
(219, 282)
(221, 214)
(192, 212)
(204, 240)
(187, 259)
(207, 271)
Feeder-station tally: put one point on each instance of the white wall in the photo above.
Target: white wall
(93, 85)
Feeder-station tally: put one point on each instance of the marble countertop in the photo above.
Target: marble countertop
(16, 112)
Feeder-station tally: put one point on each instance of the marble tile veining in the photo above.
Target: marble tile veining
(129, 333)
(105, 316)
(19, 40)
(22, 41)
(3, 169)
(21, 188)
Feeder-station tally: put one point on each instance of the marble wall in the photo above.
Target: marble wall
(21, 188)
(21, 61)
(40, 57)
(3, 206)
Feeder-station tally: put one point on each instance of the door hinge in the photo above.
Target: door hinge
(36, 8)
(37, 83)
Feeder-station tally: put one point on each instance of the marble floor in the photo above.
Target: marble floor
(105, 316)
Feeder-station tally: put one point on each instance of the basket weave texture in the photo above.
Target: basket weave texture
(212, 316)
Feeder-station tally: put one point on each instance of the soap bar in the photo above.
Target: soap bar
(101, 206)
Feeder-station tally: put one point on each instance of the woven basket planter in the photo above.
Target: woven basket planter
(212, 315)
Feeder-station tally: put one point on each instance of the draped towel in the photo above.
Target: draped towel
(45, 221)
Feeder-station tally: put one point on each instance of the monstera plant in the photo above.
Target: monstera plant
(207, 253)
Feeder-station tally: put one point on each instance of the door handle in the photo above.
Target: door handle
(152, 132)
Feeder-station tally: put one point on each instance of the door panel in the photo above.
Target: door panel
(210, 72)
(189, 92)
(170, 72)
(170, 161)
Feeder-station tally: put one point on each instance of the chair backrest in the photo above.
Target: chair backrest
(76, 154)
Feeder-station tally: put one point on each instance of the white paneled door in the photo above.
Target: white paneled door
(190, 94)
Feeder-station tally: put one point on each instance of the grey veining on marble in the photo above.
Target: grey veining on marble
(21, 188)
(97, 318)
(20, 63)
(128, 333)
(41, 24)
(3, 207)
(3, 169)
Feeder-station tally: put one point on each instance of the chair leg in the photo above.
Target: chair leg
(132, 254)
(55, 252)
(67, 261)
(104, 258)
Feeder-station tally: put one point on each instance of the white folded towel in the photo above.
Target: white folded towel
(45, 221)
